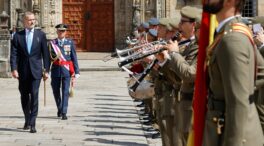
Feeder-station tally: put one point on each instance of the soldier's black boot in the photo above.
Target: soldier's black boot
(59, 113)
(33, 129)
(64, 117)
(26, 126)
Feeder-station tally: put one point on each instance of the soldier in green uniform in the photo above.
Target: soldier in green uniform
(163, 93)
(184, 66)
(232, 118)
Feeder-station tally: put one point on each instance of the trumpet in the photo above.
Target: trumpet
(142, 54)
(133, 49)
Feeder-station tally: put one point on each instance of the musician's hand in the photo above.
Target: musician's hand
(15, 74)
(149, 59)
(45, 76)
(172, 46)
(162, 56)
(156, 67)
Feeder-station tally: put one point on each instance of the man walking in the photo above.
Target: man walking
(64, 69)
(28, 51)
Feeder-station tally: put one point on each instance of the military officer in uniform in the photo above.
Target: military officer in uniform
(64, 69)
(184, 66)
(231, 118)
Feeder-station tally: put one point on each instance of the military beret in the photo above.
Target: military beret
(153, 21)
(153, 32)
(61, 26)
(174, 22)
(190, 12)
(145, 25)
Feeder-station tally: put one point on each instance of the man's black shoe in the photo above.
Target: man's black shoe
(141, 105)
(59, 114)
(64, 117)
(155, 135)
(147, 123)
(26, 126)
(33, 129)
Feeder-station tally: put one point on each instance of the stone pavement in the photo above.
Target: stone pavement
(100, 114)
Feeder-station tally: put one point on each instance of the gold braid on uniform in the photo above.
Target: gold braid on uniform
(57, 55)
(53, 59)
(210, 48)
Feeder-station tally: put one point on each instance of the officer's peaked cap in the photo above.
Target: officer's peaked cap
(61, 26)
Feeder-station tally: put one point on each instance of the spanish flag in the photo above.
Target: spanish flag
(207, 28)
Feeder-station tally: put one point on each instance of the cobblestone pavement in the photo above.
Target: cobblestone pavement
(100, 113)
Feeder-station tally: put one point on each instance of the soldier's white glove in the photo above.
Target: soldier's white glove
(77, 76)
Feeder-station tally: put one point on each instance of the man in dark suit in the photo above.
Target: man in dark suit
(64, 69)
(29, 50)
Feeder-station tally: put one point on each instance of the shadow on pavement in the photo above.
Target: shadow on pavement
(111, 121)
(121, 143)
(98, 133)
(13, 130)
(114, 127)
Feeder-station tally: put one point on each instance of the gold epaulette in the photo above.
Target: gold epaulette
(240, 27)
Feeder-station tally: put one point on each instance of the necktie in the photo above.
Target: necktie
(29, 41)
(60, 43)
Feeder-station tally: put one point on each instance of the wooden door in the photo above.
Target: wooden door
(73, 16)
(91, 24)
(100, 25)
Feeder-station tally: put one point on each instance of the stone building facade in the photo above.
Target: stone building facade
(126, 15)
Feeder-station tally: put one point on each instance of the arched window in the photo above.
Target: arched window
(250, 8)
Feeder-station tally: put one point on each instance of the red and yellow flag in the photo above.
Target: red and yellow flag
(207, 29)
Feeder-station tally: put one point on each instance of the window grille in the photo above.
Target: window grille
(250, 8)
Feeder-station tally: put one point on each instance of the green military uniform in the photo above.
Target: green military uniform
(184, 66)
(164, 112)
(164, 99)
(231, 64)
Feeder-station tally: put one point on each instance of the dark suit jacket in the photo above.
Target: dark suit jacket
(26, 63)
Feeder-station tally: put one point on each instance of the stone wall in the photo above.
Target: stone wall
(4, 53)
(260, 4)
(123, 21)
(51, 15)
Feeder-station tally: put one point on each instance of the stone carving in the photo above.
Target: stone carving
(19, 24)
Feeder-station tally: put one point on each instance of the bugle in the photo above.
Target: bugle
(133, 49)
(141, 55)
(138, 57)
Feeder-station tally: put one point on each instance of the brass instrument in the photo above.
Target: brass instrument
(133, 49)
(146, 52)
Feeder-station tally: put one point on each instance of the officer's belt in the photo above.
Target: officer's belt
(216, 105)
(62, 63)
(186, 96)
(219, 105)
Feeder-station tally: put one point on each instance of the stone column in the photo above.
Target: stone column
(4, 46)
